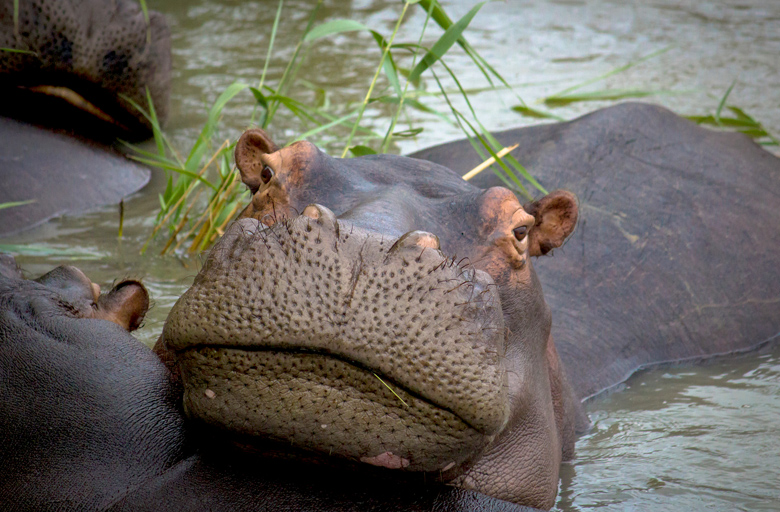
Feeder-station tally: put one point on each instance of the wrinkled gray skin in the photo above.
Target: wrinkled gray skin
(84, 62)
(300, 310)
(90, 421)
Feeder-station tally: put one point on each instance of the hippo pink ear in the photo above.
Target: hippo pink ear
(249, 148)
(125, 305)
(556, 217)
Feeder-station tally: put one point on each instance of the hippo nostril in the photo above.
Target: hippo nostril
(266, 174)
(421, 239)
(323, 216)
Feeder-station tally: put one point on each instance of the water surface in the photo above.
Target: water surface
(700, 438)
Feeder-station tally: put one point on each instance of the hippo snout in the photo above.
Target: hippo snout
(344, 341)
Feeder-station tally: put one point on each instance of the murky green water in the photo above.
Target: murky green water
(686, 439)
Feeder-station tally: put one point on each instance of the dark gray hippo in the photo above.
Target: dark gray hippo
(90, 420)
(76, 68)
(383, 311)
(677, 253)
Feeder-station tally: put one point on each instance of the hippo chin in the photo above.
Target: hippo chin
(396, 321)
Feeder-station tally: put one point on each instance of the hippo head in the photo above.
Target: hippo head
(381, 309)
(125, 305)
(67, 293)
(98, 56)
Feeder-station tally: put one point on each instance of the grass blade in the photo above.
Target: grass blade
(445, 42)
(12, 204)
(291, 68)
(334, 27)
(14, 50)
(535, 113)
(391, 390)
(324, 127)
(199, 148)
(271, 44)
(605, 95)
(723, 101)
(608, 74)
(373, 81)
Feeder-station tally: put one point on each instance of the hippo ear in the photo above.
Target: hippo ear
(249, 148)
(125, 305)
(556, 217)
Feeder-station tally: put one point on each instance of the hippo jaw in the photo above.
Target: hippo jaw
(344, 342)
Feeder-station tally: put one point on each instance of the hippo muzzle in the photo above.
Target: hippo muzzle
(337, 339)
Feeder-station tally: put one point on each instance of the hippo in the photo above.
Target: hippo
(382, 312)
(76, 68)
(676, 255)
(91, 420)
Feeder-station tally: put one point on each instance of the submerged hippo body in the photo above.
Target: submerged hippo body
(384, 311)
(676, 254)
(91, 420)
(77, 68)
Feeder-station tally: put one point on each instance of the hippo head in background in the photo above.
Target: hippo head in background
(382, 310)
(100, 57)
(125, 305)
(67, 292)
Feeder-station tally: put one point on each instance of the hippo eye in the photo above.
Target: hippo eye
(266, 174)
(520, 232)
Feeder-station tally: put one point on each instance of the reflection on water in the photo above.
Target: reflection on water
(685, 439)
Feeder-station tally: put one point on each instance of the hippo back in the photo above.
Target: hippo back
(675, 256)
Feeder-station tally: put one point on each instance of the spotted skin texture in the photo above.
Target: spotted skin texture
(392, 302)
(358, 298)
(101, 50)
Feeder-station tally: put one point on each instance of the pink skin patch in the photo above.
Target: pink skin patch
(386, 460)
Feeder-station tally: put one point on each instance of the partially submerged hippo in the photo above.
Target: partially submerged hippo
(99, 57)
(90, 420)
(77, 67)
(677, 253)
(383, 310)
